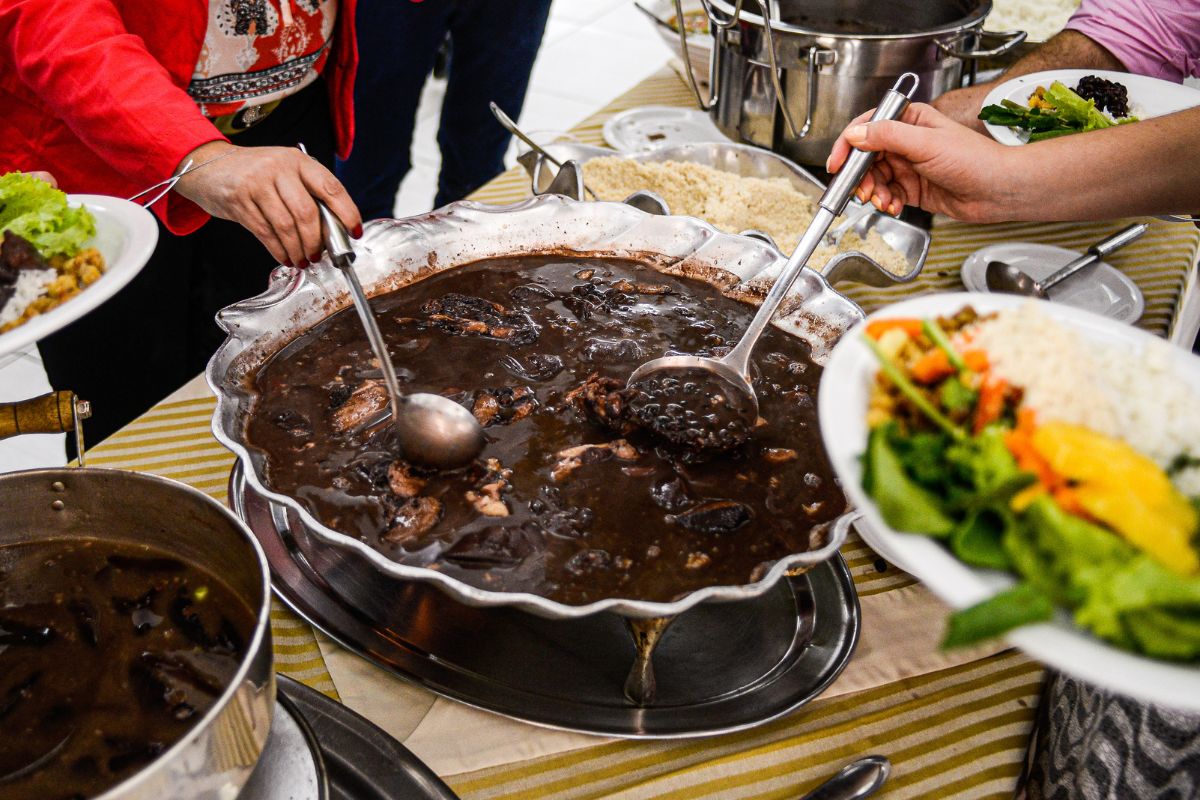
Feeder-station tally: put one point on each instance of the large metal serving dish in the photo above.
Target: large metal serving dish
(793, 85)
(393, 253)
(908, 240)
(216, 757)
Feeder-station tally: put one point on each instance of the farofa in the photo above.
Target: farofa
(732, 203)
(74, 273)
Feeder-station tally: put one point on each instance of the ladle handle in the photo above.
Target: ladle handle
(51, 413)
(893, 104)
(832, 202)
(1097, 252)
(341, 253)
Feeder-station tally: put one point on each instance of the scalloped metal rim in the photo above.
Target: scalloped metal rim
(675, 240)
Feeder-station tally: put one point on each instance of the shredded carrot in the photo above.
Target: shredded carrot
(991, 402)
(1029, 459)
(976, 360)
(881, 326)
(932, 367)
(1068, 500)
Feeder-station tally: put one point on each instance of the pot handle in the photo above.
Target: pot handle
(1008, 40)
(681, 31)
(816, 57)
(56, 412)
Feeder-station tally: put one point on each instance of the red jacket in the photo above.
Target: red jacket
(94, 91)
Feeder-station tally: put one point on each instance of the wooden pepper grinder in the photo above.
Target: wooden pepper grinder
(57, 412)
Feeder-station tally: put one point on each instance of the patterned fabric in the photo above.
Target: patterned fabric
(1094, 745)
(259, 51)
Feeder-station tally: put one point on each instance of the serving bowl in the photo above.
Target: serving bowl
(907, 240)
(394, 253)
(215, 758)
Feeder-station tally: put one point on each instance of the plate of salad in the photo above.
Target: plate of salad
(1044, 105)
(1037, 466)
(63, 255)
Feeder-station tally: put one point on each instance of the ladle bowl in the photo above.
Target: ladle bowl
(732, 372)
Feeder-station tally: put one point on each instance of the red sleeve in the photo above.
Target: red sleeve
(99, 79)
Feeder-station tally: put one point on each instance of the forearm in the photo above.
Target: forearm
(1148, 167)
(100, 80)
(1065, 50)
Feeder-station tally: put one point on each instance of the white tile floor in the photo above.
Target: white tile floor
(593, 51)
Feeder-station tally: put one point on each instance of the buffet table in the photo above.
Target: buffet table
(953, 725)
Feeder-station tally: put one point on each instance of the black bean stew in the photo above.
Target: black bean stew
(571, 498)
(109, 653)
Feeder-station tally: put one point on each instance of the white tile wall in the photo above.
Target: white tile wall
(593, 50)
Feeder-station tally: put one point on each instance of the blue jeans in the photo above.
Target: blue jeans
(493, 47)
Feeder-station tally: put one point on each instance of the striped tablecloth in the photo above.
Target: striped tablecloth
(960, 731)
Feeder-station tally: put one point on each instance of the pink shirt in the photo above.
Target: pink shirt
(1159, 38)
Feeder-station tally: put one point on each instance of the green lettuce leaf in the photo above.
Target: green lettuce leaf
(1020, 605)
(36, 211)
(1073, 109)
(905, 504)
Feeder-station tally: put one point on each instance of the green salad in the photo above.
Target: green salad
(1054, 111)
(1084, 520)
(38, 213)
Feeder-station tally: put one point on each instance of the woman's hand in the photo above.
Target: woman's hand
(928, 160)
(270, 191)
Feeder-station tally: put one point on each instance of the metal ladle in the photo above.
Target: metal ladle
(434, 431)
(732, 371)
(1002, 277)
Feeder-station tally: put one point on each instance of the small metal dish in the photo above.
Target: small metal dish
(908, 240)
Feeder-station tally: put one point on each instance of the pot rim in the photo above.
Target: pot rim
(247, 322)
(254, 645)
(972, 20)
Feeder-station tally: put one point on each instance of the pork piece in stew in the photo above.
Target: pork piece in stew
(109, 654)
(571, 498)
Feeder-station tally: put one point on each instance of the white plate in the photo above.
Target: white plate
(842, 407)
(125, 235)
(1148, 97)
(1100, 289)
(658, 126)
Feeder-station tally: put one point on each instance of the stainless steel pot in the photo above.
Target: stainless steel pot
(793, 85)
(394, 253)
(217, 755)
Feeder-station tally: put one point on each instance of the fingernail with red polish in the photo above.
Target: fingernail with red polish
(316, 257)
(303, 264)
(357, 232)
(288, 263)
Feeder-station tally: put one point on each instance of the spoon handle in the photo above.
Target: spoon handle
(1097, 252)
(831, 204)
(341, 252)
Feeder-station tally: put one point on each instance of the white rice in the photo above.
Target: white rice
(31, 284)
(1041, 19)
(1128, 395)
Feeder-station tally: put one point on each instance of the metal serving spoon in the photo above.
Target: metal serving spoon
(732, 372)
(1001, 277)
(507, 122)
(434, 430)
(856, 780)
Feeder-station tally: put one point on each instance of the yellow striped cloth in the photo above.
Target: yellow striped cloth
(957, 732)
